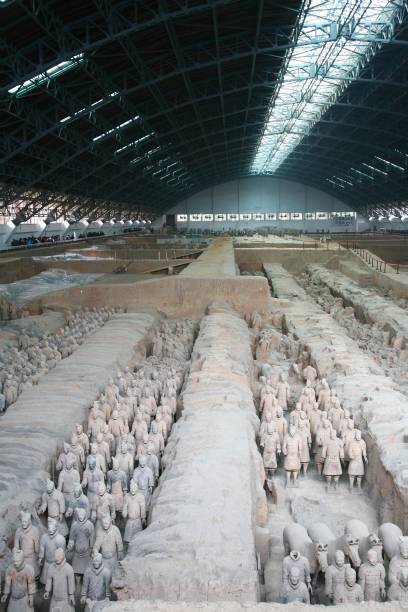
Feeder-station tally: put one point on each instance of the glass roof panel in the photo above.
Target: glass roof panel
(335, 40)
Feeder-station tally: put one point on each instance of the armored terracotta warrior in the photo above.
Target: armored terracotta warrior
(64, 456)
(125, 460)
(271, 449)
(78, 451)
(281, 424)
(152, 462)
(81, 541)
(102, 504)
(95, 423)
(292, 450)
(134, 511)
(398, 591)
(82, 438)
(80, 501)
(283, 392)
(100, 460)
(27, 539)
(371, 578)
(61, 584)
(306, 440)
(97, 583)
(49, 542)
(333, 454)
(399, 561)
(350, 591)
(322, 437)
(117, 484)
(19, 584)
(92, 477)
(66, 481)
(144, 478)
(109, 543)
(139, 427)
(335, 575)
(294, 589)
(53, 503)
(116, 428)
(357, 454)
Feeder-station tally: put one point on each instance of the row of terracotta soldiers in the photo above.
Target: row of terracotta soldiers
(23, 367)
(345, 584)
(317, 425)
(94, 497)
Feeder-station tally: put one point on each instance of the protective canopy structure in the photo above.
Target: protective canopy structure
(126, 107)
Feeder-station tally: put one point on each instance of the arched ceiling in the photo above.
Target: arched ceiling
(112, 106)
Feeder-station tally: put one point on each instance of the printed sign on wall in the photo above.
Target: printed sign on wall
(182, 218)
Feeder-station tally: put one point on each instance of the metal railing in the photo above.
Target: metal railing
(374, 262)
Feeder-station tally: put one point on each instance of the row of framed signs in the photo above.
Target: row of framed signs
(269, 216)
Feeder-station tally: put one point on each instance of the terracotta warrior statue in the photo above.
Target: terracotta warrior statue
(357, 453)
(283, 391)
(322, 437)
(117, 484)
(398, 562)
(97, 583)
(281, 424)
(371, 578)
(303, 432)
(152, 461)
(398, 591)
(53, 503)
(109, 543)
(61, 583)
(294, 589)
(27, 539)
(102, 504)
(350, 591)
(134, 510)
(49, 542)
(93, 475)
(295, 559)
(333, 454)
(292, 450)
(67, 479)
(335, 575)
(144, 478)
(271, 449)
(19, 584)
(80, 501)
(81, 541)
(125, 460)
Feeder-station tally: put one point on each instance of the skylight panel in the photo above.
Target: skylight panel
(87, 109)
(44, 77)
(134, 143)
(334, 42)
(388, 163)
(116, 128)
